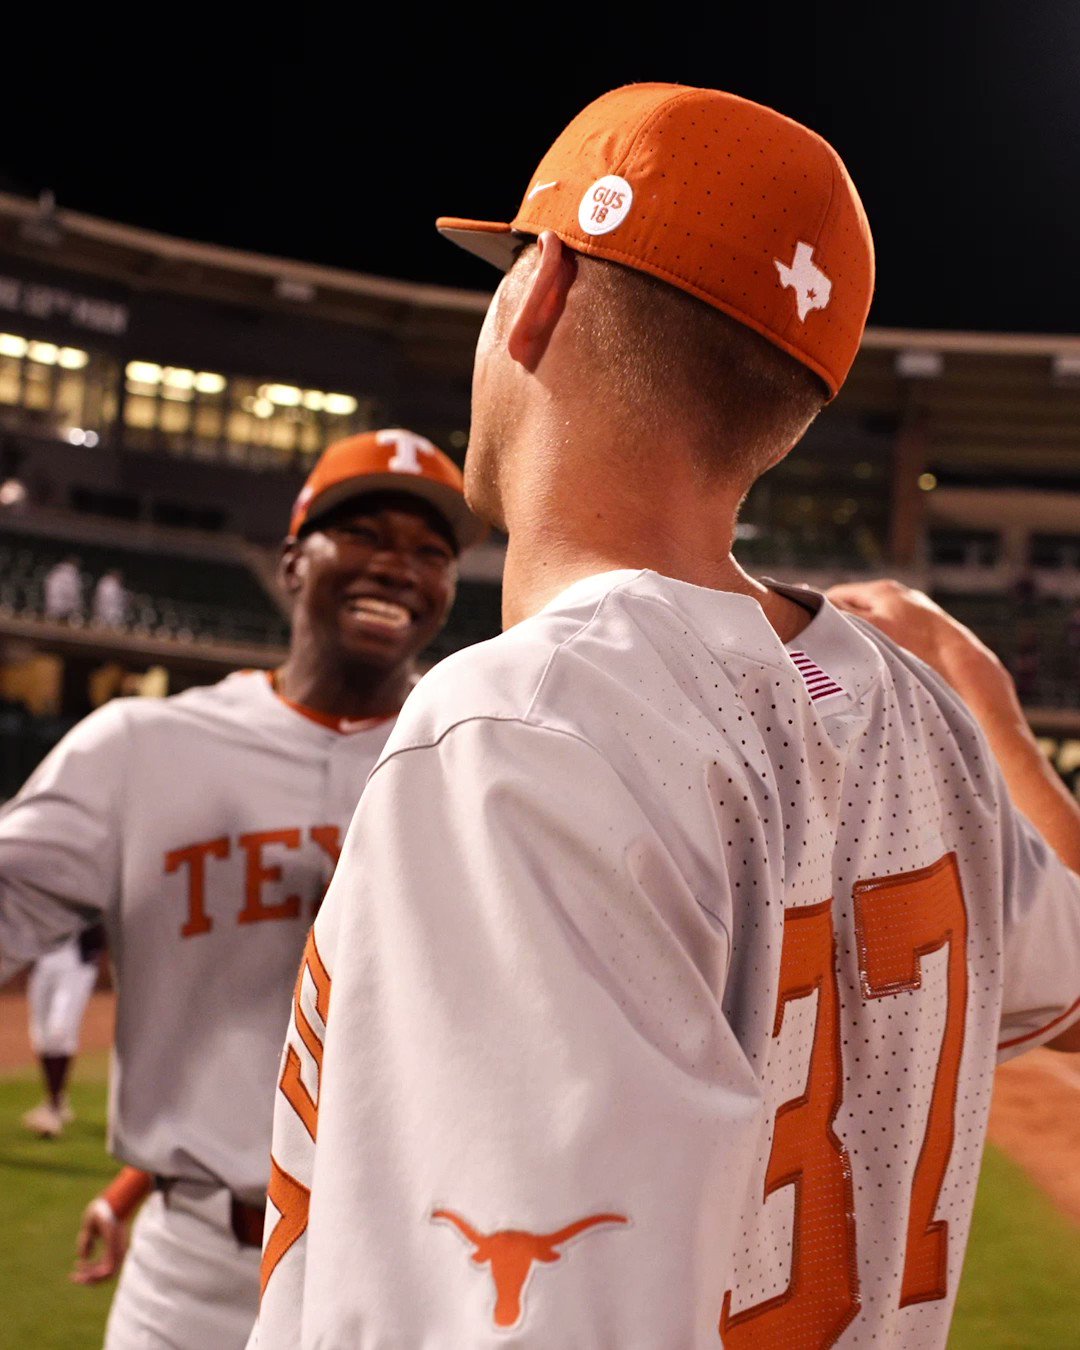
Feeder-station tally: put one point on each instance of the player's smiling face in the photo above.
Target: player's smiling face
(375, 579)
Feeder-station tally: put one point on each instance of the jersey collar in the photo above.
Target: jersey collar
(343, 726)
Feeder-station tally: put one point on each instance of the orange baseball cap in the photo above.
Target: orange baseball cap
(387, 461)
(728, 200)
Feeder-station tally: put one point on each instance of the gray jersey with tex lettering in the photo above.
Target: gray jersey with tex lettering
(203, 829)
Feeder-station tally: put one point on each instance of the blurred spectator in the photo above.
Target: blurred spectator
(106, 682)
(111, 600)
(63, 590)
(155, 683)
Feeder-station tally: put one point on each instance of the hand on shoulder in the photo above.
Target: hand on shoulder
(915, 622)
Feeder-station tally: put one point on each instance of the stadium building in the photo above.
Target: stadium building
(161, 402)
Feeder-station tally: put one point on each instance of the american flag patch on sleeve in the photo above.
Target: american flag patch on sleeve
(819, 684)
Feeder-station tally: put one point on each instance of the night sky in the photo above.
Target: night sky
(312, 137)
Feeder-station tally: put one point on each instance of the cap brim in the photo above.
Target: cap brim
(495, 243)
(467, 528)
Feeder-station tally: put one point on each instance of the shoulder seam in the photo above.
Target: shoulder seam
(571, 637)
(553, 731)
(433, 741)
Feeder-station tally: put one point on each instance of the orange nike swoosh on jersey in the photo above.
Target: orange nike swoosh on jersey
(512, 1253)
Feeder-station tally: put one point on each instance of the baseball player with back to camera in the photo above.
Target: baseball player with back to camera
(674, 1023)
(201, 830)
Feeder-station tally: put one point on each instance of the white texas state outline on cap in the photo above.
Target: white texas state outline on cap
(812, 287)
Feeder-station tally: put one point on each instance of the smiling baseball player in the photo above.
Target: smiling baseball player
(202, 829)
(656, 998)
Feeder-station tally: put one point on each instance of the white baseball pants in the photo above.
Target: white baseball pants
(57, 993)
(186, 1284)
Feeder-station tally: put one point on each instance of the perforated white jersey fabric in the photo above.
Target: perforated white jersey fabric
(203, 829)
(657, 995)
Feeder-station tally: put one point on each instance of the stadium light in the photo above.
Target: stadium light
(177, 377)
(339, 405)
(1067, 368)
(915, 364)
(313, 399)
(10, 345)
(71, 358)
(289, 288)
(208, 382)
(45, 353)
(285, 395)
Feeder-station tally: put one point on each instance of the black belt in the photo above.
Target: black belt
(246, 1221)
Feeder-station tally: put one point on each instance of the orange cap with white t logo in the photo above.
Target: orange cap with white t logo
(394, 460)
(728, 200)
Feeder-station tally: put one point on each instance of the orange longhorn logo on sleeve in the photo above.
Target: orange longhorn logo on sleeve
(511, 1253)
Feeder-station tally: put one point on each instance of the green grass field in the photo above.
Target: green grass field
(1020, 1291)
(44, 1185)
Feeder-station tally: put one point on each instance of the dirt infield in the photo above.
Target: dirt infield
(1035, 1117)
(15, 1052)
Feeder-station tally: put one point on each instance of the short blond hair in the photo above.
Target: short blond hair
(668, 361)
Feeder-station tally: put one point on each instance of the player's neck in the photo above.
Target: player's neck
(343, 691)
(563, 527)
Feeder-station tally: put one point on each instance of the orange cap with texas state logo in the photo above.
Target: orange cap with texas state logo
(394, 460)
(728, 200)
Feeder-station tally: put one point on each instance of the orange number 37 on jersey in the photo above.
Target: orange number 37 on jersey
(899, 920)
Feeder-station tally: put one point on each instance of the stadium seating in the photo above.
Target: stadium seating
(168, 595)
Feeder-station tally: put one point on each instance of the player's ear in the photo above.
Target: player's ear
(291, 565)
(542, 301)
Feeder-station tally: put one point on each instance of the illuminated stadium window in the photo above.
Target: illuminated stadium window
(236, 419)
(208, 428)
(38, 382)
(49, 389)
(10, 380)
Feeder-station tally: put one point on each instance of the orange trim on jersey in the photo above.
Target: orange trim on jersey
(291, 1082)
(291, 1199)
(344, 726)
(1030, 1035)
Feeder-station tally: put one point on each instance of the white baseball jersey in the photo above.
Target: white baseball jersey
(203, 829)
(657, 995)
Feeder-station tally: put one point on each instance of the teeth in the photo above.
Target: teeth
(384, 611)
